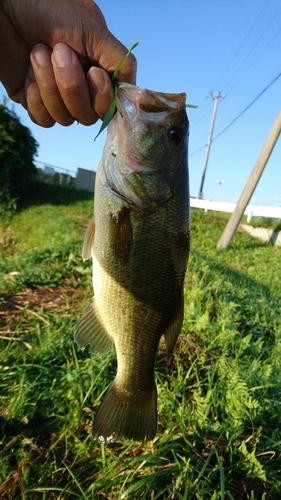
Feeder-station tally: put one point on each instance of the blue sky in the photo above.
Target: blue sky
(196, 46)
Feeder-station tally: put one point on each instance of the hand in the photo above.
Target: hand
(56, 58)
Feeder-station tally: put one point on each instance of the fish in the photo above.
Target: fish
(139, 241)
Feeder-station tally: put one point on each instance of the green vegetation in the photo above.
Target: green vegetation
(219, 396)
(57, 178)
(266, 222)
(17, 151)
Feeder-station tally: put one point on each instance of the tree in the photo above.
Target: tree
(17, 150)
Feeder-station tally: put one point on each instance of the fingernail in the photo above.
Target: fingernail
(42, 55)
(63, 55)
(97, 79)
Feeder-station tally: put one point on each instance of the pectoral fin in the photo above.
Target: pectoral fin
(121, 235)
(90, 331)
(88, 246)
(173, 330)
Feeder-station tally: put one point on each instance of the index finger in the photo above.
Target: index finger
(111, 53)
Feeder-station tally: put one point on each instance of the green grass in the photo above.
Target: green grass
(219, 396)
(266, 222)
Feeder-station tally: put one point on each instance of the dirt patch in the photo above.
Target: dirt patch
(42, 299)
(238, 265)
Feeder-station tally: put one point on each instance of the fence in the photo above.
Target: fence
(55, 175)
(83, 179)
(251, 210)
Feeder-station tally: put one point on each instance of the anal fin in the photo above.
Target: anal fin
(173, 330)
(90, 331)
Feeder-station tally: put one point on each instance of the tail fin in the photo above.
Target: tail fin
(126, 414)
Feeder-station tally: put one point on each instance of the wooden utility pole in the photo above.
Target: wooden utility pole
(253, 180)
(216, 96)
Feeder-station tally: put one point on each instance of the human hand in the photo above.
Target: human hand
(56, 58)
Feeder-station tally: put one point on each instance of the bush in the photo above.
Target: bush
(17, 151)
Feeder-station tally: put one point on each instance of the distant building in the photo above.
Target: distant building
(85, 179)
(49, 170)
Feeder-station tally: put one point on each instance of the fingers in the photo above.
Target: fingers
(72, 84)
(101, 90)
(111, 53)
(45, 100)
(34, 103)
(59, 91)
(55, 88)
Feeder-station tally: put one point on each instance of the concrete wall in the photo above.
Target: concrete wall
(85, 179)
(264, 234)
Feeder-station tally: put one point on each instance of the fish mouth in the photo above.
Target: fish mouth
(136, 105)
(130, 98)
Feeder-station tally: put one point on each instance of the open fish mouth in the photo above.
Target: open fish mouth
(130, 98)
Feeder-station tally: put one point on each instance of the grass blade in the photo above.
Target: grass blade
(124, 59)
(75, 480)
(110, 113)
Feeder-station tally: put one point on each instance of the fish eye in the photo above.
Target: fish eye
(176, 133)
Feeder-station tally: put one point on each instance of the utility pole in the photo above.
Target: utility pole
(253, 180)
(216, 96)
(218, 191)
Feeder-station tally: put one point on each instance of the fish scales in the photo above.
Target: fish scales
(139, 242)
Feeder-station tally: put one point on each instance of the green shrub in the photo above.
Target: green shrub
(17, 151)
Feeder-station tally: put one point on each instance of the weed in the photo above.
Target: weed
(219, 396)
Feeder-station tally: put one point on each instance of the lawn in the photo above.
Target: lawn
(219, 395)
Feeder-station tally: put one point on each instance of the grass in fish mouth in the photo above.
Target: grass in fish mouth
(219, 395)
(111, 111)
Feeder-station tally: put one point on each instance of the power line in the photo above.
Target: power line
(247, 107)
(197, 151)
(253, 47)
(250, 52)
(55, 167)
(200, 118)
(241, 45)
(240, 114)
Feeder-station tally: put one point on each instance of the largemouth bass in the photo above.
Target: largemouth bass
(139, 243)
